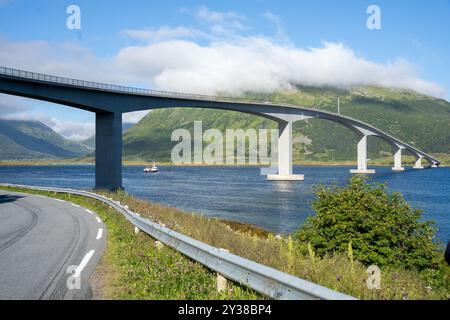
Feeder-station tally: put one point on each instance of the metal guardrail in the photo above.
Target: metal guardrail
(265, 280)
(111, 87)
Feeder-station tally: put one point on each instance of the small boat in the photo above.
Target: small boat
(153, 169)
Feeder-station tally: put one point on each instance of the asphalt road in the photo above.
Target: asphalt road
(48, 248)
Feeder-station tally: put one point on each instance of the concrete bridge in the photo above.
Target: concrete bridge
(109, 102)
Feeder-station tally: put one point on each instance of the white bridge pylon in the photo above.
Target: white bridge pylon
(285, 170)
(398, 160)
(285, 154)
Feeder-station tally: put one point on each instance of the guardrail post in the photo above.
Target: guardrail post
(222, 282)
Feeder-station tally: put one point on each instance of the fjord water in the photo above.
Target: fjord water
(242, 194)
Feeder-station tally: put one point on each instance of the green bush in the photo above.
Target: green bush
(382, 228)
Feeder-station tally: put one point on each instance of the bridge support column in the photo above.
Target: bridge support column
(285, 155)
(108, 151)
(362, 157)
(418, 164)
(398, 160)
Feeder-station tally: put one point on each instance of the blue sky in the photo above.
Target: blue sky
(123, 42)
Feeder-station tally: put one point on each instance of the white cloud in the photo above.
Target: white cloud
(65, 59)
(217, 17)
(259, 64)
(171, 60)
(225, 24)
(71, 129)
(10, 105)
(229, 65)
(227, 61)
(280, 34)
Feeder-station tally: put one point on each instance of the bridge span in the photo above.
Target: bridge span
(109, 102)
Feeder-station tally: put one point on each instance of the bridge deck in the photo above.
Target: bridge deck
(121, 99)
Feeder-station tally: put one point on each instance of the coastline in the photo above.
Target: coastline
(169, 164)
(382, 162)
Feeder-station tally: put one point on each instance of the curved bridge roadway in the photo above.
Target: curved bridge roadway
(109, 102)
(40, 238)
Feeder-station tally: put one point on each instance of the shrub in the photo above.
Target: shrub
(382, 228)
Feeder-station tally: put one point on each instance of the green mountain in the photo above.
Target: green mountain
(418, 119)
(24, 140)
(89, 142)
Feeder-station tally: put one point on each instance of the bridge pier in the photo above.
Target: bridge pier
(362, 157)
(418, 164)
(285, 172)
(108, 151)
(398, 160)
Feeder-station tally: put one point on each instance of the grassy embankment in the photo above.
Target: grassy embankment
(133, 267)
(139, 272)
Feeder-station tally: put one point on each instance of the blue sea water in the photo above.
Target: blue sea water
(242, 194)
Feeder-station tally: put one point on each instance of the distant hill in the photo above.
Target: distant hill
(420, 120)
(24, 140)
(90, 142)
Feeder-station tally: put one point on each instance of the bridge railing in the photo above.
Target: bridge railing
(112, 87)
(118, 88)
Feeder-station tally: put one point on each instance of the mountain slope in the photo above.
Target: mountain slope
(20, 140)
(420, 120)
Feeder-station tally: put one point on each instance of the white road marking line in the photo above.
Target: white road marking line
(75, 205)
(89, 211)
(98, 220)
(99, 234)
(59, 200)
(83, 263)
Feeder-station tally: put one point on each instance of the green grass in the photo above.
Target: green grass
(134, 268)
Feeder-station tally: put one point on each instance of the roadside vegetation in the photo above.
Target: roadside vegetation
(380, 227)
(135, 267)
(417, 272)
(422, 275)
